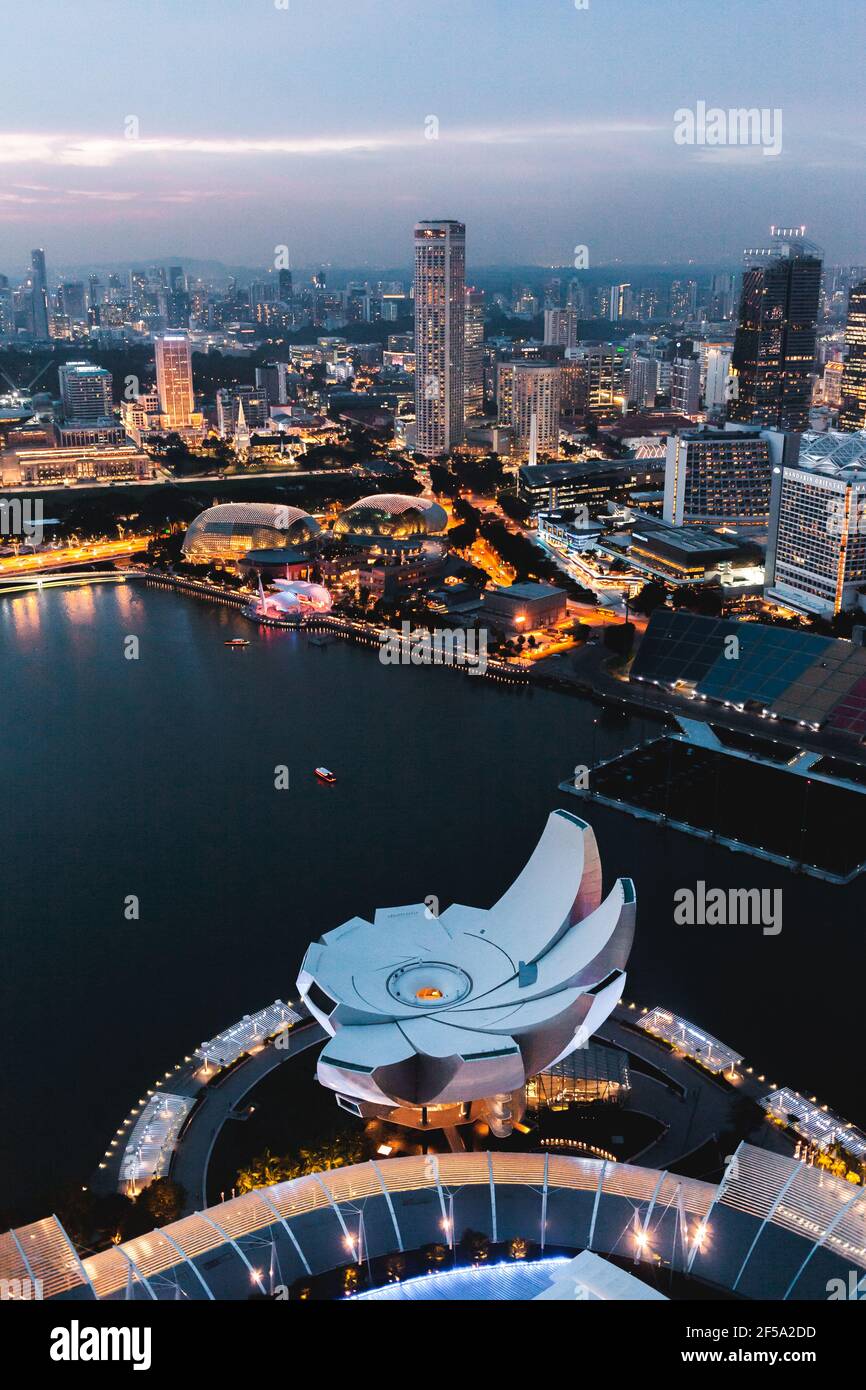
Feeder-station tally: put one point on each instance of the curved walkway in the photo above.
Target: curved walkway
(214, 1103)
(192, 1156)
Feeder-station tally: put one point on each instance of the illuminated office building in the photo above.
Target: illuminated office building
(174, 381)
(774, 348)
(473, 353)
(853, 413)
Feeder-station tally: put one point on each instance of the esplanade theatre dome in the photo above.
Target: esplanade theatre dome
(228, 531)
(391, 514)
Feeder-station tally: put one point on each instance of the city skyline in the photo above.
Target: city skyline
(298, 145)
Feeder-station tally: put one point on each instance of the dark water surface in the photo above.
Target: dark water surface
(155, 777)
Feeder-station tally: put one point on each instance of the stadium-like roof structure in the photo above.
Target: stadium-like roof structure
(791, 674)
(429, 1010)
(773, 1228)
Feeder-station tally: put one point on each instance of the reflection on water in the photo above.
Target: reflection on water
(155, 777)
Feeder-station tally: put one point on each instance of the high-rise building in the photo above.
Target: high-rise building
(239, 408)
(774, 348)
(718, 361)
(174, 380)
(686, 385)
(716, 477)
(620, 303)
(271, 379)
(643, 381)
(284, 286)
(561, 327)
(853, 413)
(722, 293)
(71, 301)
(816, 551)
(603, 373)
(39, 293)
(473, 353)
(683, 299)
(85, 391)
(440, 269)
(535, 407)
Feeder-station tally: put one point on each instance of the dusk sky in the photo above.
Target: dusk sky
(260, 125)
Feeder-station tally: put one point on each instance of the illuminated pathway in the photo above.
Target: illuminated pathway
(195, 1088)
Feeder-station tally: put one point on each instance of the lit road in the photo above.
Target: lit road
(43, 560)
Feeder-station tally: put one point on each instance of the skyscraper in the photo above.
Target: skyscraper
(473, 353)
(620, 302)
(174, 380)
(533, 406)
(774, 348)
(561, 327)
(853, 412)
(440, 269)
(39, 293)
(284, 286)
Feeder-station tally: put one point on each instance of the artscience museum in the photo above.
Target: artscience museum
(435, 1020)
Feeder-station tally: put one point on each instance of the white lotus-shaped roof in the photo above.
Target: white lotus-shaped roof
(424, 1009)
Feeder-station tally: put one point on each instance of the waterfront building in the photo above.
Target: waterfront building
(516, 608)
(225, 533)
(440, 270)
(434, 1020)
(292, 600)
(392, 515)
(775, 344)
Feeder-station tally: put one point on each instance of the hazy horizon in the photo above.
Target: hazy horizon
(220, 133)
